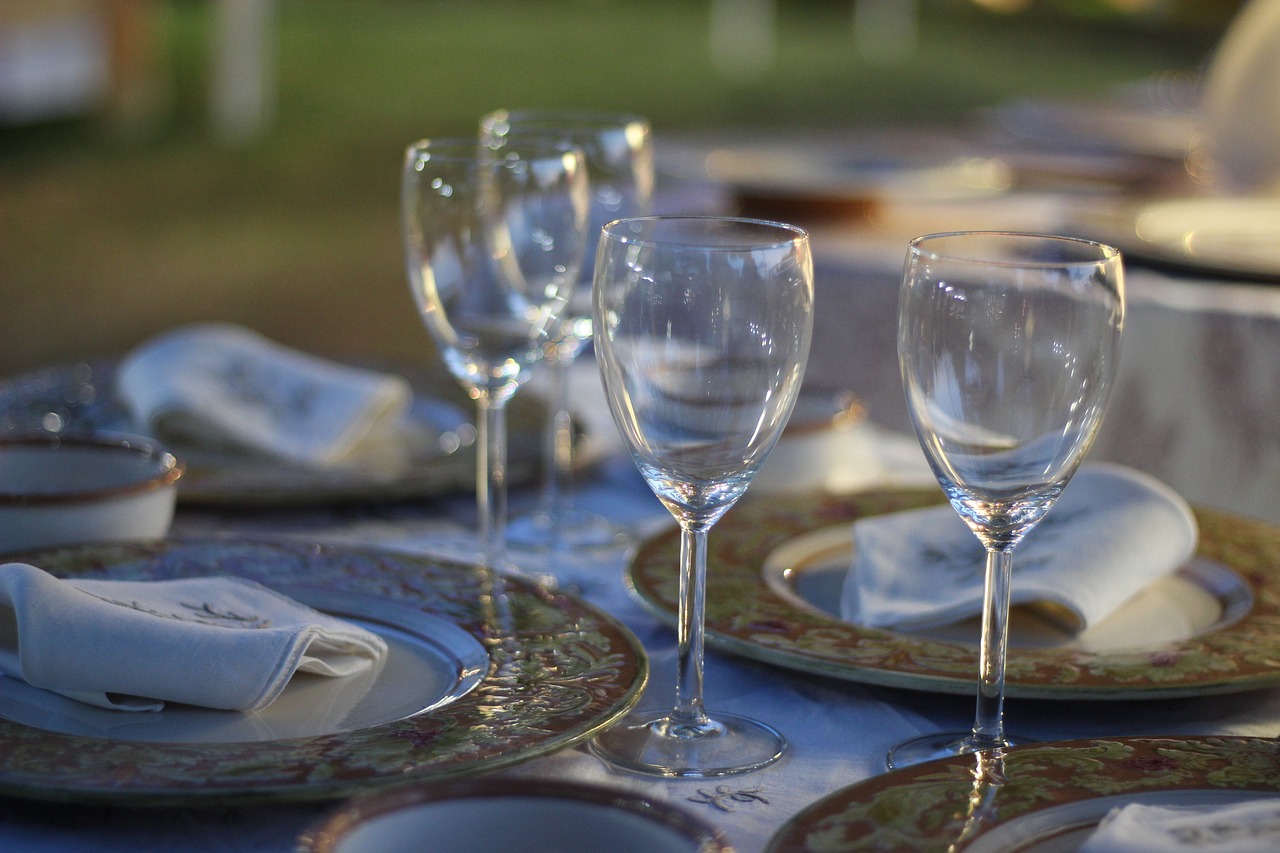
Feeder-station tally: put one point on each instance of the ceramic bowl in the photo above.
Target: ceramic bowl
(65, 489)
(513, 816)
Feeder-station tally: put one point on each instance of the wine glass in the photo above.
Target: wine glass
(1008, 345)
(619, 156)
(702, 333)
(493, 242)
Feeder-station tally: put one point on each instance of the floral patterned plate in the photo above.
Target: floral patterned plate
(554, 671)
(432, 454)
(750, 614)
(1038, 797)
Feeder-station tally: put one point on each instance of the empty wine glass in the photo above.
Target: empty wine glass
(619, 158)
(1008, 345)
(702, 333)
(493, 244)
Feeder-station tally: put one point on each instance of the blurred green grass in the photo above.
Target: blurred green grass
(105, 239)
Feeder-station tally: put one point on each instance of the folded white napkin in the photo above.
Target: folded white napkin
(217, 642)
(1252, 826)
(1112, 532)
(220, 385)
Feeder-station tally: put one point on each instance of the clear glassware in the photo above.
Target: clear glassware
(1008, 346)
(619, 152)
(703, 327)
(493, 242)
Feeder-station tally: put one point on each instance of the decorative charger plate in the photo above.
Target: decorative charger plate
(484, 672)
(432, 454)
(770, 584)
(1051, 797)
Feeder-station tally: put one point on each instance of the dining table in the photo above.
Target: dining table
(1194, 405)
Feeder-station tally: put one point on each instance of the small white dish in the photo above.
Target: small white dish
(513, 816)
(67, 489)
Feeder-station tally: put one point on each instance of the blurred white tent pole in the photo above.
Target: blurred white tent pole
(242, 85)
(886, 32)
(743, 40)
(744, 37)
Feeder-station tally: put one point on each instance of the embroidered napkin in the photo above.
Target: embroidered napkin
(224, 386)
(1113, 531)
(217, 642)
(1252, 826)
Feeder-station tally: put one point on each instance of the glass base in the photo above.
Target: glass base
(648, 742)
(577, 529)
(941, 745)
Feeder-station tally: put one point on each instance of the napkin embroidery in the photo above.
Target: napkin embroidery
(258, 388)
(215, 642)
(1221, 831)
(205, 613)
(723, 798)
(1249, 825)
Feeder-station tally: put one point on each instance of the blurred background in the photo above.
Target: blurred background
(167, 161)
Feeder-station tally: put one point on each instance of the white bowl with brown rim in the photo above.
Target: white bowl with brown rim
(513, 816)
(68, 489)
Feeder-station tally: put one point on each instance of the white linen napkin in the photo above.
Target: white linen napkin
(224, 386)
(1113, 531)
(1252, 826)
(216, 642)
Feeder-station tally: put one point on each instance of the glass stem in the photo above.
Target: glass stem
(558, 476)
(988, 726)
(689, 714)
(491, 480)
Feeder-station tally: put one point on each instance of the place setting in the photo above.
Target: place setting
(406, 671)
(387, 434)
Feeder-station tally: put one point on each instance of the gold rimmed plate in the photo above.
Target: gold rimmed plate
(1050, 798)
(484, 672)
(773, 581)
